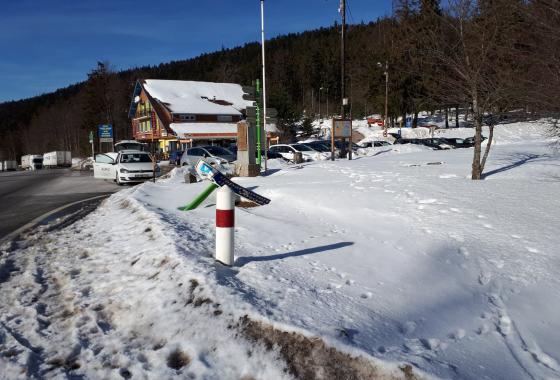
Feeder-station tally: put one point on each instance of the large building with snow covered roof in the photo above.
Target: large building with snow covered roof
(176, 114)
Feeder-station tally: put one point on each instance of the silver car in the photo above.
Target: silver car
(211, 154)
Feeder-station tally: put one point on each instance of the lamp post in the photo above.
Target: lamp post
(320, 116)
(385, 118)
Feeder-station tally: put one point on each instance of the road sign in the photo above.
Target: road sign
(271, 120)
(105, 131)
(251, 112)
(342, 128)
(106, 139)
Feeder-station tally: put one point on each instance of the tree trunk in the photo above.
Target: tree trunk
(467, 113)
(457, 116)
(477, 116)
(487, 150)
(446, 117)
(415, 120)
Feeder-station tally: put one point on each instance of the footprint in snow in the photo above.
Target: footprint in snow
(464, 251)
(532, 250)
(515, 236)
(488, 225)
(454, 209)
(484, 278)
(458, 334)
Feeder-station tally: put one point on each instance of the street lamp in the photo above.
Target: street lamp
(320, 116)
(385, 119)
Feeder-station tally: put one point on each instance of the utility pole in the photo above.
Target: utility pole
(386, 99)
(263, 88)
(343, 73)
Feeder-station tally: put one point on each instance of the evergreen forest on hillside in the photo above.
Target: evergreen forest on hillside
(488, 56)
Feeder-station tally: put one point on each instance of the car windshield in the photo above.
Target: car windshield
(302, 148)
(218, 151)
(135, 158)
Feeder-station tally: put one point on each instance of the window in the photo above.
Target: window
(195, 152)
(302, 148)
(186, 117)
(135, 157)
(225, 118)
(103, 159)
(218, 151)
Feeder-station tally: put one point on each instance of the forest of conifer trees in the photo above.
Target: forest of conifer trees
(487, 56)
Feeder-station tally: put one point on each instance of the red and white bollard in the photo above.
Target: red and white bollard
(225, 224)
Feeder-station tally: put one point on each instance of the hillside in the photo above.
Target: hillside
(299, 65)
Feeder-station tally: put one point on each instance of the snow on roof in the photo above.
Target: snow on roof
(184, 129)
(198, 97)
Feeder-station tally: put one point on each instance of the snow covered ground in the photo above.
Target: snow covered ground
(396, 256)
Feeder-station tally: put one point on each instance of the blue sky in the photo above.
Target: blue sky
(48, 44)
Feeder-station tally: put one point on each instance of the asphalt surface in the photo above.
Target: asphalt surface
(26, 195)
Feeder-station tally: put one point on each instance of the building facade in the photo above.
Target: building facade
(174, 115)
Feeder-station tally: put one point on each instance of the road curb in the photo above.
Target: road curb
(40, 219)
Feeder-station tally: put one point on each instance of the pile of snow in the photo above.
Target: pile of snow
(397, 256)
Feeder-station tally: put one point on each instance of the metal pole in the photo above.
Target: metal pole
(386, 98)
(259, 112)
(264, 85)
(343, 73)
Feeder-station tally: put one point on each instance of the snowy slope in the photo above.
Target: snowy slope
(396, 255)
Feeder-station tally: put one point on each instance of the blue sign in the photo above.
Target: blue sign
(105, 131)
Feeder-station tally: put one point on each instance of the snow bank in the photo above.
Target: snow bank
(397, 256)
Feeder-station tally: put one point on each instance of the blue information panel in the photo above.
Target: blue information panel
(105, 131)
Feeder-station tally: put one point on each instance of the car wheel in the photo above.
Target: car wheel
(119, 183)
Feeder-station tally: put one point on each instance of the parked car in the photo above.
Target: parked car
(458, 142)
(287, 151)
(470, 140)
(212, 154)
(127, 166)
(371, 144)
(436, 143)
(175, 157)
(408, 141)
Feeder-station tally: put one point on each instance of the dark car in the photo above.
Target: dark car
(436, 143)
(175, 157)
(408, 141)
(470, 140)
(458, 142)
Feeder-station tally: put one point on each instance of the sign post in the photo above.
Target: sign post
(105, 134)
(91, 142)
(340, 128)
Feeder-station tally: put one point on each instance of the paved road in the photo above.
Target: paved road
(27, 195)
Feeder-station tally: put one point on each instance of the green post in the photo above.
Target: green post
(258, 111)
(200, 198)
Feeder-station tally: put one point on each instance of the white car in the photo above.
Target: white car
(127, 166)
(307, 153)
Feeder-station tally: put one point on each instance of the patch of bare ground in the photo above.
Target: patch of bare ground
(311, 358)
(177, 359)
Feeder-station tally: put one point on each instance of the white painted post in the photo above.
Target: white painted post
(225, 224)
